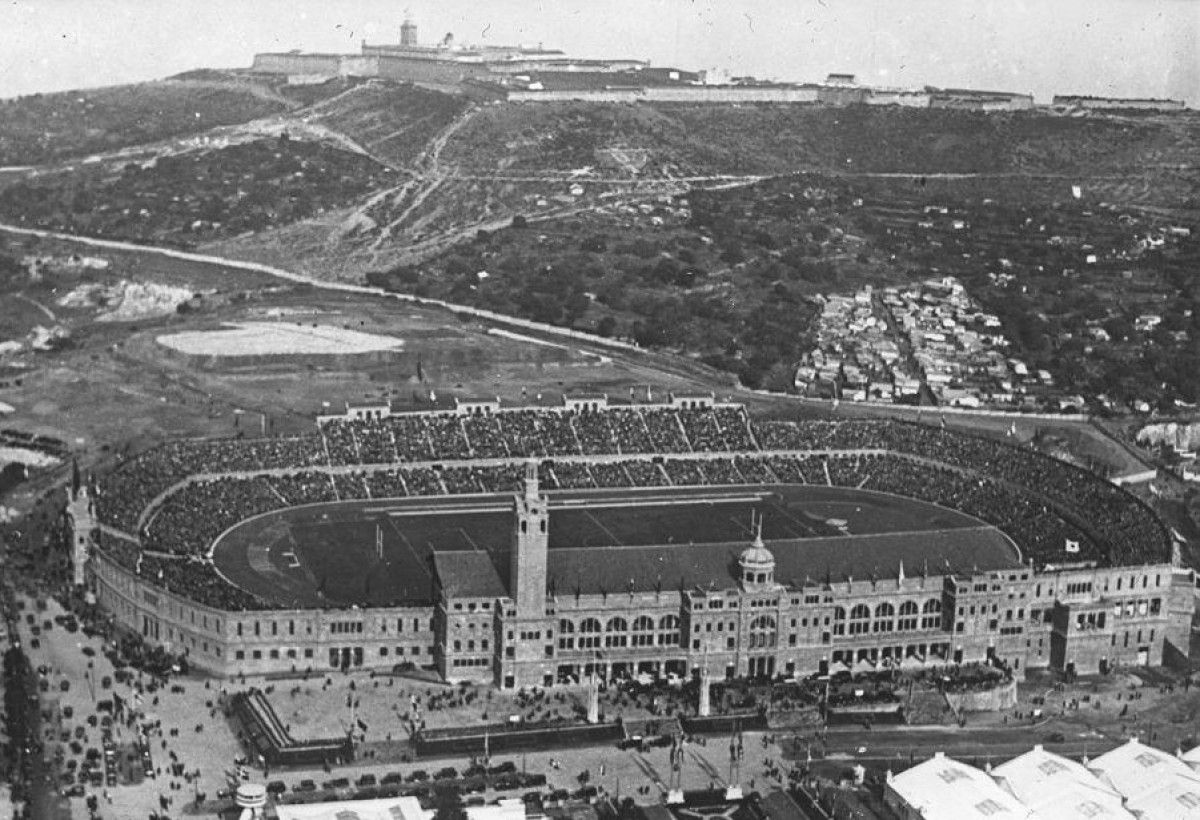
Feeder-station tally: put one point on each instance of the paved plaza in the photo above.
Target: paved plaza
(203, 741)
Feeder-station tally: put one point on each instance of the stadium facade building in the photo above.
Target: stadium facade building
(748, 609)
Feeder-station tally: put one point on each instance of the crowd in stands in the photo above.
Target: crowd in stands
(1042, 503)
(195, 515)
(196, 579)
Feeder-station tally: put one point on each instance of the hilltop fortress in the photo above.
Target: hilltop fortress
(536, 74)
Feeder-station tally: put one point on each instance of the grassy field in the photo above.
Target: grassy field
(332, 547)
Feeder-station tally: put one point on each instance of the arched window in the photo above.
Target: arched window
(668, 634)
(860, 619)
(566, 637)
(931, 614)
(615, 633)
(643, 631)
(884, 613)
(590, 630)
(762, 632)
(908, 616)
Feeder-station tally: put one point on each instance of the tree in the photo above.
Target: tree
(606, 326)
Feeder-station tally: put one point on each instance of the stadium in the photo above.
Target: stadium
(523, 546)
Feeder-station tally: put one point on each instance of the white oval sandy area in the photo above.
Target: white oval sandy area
(277, 338)
(19, 455)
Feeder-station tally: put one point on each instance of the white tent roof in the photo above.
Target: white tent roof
(942, 788)
(1192, 757)
(1136, 770)
(510, 809)
(1177, 800)
(1055, 786)
(394, 808)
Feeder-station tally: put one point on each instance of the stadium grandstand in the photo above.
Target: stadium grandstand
(538, 545)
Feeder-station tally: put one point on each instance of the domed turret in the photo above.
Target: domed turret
(756, 562)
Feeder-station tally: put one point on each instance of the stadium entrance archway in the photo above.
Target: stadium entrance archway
(762, 667)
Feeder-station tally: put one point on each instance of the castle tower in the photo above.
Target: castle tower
(408, 32)
(527, 563)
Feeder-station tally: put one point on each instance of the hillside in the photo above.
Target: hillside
(183, 200)
(639, 223)
(41, 128)
(554, 160)
(737, 277)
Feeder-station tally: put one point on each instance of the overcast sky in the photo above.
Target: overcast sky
(1100, 47)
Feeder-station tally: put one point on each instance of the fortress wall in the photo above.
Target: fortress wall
(1016, 102)
(297, 63)
(731, 94)
(330, 65)
(359, 65)
(1116, 103)
(678, 94)
(392, 67)
(842, 95)
(582, 95)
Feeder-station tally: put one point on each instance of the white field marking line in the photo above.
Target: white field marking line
(658, 501)
(407, 543)
(402, 513)
(826, 538)
(800, 525)
(596, 521)
(470, 540)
